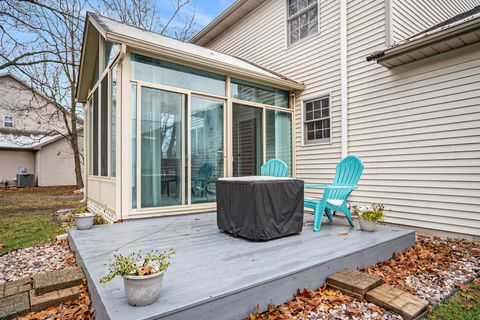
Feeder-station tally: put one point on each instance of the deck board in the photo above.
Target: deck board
(215, 273)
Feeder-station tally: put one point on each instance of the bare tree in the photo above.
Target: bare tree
(146, 15)
(40, 41)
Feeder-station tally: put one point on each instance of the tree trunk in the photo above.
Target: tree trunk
(76, 157)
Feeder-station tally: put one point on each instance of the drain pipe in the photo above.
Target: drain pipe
(344, 76)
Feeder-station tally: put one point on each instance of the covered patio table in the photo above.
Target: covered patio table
(260, 207)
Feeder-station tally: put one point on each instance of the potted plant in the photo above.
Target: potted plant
(369, 215)
(83, 219)
(142, 275)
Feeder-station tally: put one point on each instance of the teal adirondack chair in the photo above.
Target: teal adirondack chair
(335, 196)
(274, 168)
(200, 184)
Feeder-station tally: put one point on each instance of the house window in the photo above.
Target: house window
(8, 121)
(317, 127)
(302, 19)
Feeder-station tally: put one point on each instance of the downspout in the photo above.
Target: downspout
(344, 76)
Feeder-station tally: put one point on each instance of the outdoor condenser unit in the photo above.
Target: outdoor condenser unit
(24, 179)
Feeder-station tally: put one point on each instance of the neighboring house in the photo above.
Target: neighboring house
(29, 137)
(413, 118)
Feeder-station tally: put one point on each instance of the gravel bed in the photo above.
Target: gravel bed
(355, 310)
(26, 262)
(439, 283)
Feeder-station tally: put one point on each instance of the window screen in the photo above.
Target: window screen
(104, 127)
(95, 133)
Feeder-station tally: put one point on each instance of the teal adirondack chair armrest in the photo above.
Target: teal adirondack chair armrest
(325, 186)
(316, 185)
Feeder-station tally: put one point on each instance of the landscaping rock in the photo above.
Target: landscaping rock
(353, 282)
(398, 301)
(14, 306)
(20, 263)
(57, 280)
(52, 299)
(15, 287)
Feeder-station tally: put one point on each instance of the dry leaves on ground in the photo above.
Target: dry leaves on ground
(78, 309)
(431, 258)
(431, 270)
(304, 304)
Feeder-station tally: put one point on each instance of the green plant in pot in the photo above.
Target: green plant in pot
(83, 219)
(369, 215)
(142, 275)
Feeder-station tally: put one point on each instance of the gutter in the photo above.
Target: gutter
(424, 39)
(225, 14)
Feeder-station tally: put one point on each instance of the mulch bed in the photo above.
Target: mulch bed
(433, 269)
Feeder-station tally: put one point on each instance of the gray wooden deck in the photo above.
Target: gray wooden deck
(216, 276)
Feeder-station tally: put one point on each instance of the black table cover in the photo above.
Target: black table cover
(260, 208)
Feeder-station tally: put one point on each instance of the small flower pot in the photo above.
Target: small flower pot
(366, 225)
(143, 290)
(84, 221)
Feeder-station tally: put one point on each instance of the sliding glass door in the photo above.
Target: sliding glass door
(206, 147)
(247, 140)
(162, 148)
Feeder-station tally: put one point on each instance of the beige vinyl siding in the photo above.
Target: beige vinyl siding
(261, 38)
(55, 166)
(11, 160)
(417, 130)
(410, 17)
(416, 127)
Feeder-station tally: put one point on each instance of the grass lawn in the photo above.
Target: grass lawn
(26, 215)
(465, 304)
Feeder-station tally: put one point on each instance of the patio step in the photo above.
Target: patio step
(40, 292)
(353, 282)
(58, 280)
(53, 298)
(398, 301)
(14, 306)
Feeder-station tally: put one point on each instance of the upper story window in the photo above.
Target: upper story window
(302, 19)
(316, 119)
(8, 121)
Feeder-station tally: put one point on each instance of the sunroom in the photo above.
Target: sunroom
(166, 119)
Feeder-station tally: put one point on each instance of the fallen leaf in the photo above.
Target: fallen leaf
(353, 311)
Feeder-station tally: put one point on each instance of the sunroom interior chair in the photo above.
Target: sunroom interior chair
(335, 195)
(274, 168)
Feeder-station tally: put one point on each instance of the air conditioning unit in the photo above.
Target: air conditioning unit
(24, 179)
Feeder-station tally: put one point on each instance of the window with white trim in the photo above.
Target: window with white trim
(316, 119)
(8, 121)
(302, 19)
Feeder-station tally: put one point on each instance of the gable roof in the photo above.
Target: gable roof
(458, 31)
(237, 11)
(189, 53)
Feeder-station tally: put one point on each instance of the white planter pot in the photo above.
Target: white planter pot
(84, 222)
(143, 290)
(366, 225)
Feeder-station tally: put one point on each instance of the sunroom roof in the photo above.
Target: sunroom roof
(133, 37)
